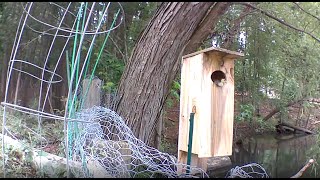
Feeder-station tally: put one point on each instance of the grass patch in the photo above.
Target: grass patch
(47, 136)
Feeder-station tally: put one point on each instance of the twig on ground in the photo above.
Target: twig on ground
(171, 119)
(315, 122)
(299, 174)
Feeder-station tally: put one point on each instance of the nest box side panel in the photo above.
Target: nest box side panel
(189, 97)
(209, 65)
(195, 161)
(222, 99)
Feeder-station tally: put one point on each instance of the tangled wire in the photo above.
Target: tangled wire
(252, 170)
(104, 139)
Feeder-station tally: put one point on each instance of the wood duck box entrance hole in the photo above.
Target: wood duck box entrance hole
(218, 78)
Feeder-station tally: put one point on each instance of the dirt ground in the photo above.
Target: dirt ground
(241, 130)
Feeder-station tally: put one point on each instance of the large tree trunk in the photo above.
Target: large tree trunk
(155, 60)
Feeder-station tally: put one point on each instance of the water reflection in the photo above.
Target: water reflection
(281, 156)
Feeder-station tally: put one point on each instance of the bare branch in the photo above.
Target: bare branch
(235, 28)
(299, 174)
(279, 20)
(238, 20)
(306, 11)
(212, 35)
(117, 47)
(276, 110)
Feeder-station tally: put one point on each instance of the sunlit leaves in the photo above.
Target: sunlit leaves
(111, 66)
(278, 56)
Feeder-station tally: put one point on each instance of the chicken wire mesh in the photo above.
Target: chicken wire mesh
(251, 170)
(104, 138)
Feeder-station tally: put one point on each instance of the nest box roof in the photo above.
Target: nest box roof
(232, 54)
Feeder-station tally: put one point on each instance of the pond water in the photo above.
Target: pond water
(280, 156)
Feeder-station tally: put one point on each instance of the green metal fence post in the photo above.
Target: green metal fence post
(191, 120)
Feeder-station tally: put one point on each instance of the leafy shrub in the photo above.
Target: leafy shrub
(246, 113)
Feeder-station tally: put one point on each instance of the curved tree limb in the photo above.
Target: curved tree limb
(279, 20)
(306, 11)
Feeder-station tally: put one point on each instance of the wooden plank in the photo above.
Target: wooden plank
(205, 111)
(93, 95)
(222, 109)
(232, 54)
(195, 161)
(215, 163)
(183, 119)
(190, 82)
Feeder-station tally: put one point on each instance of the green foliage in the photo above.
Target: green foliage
(110, 70)
(264, 126)
(175, 90)
(19, 162)
(25, 128)
(121, 42)
(174, 94)
(164, 146)
(246, 113)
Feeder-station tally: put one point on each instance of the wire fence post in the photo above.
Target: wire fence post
(191, 120)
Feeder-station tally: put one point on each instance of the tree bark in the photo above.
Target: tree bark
(155, 60)
(4, 70)
(17, 87)
(207, 26)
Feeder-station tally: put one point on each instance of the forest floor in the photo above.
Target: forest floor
(242, 130)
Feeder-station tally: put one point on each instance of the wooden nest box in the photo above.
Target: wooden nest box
(207, 87)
